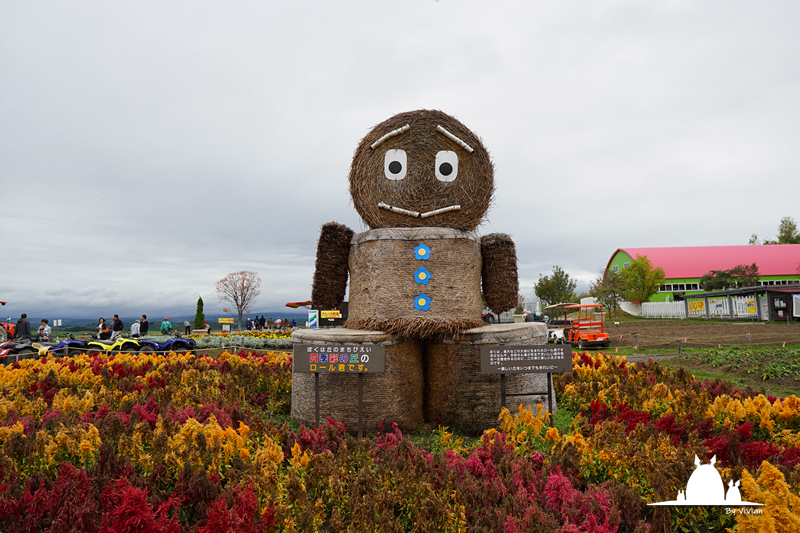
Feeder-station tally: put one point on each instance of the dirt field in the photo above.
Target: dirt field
(654, 334)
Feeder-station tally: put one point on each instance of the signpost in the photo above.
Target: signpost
(526, 359)
(330, 358)
(226, 323)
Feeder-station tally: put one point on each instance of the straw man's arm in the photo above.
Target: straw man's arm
(499, 272)
(330, 272)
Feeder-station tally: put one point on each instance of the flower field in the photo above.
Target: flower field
(248, 340)
(173, 443)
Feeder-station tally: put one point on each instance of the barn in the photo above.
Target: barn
(778, 264)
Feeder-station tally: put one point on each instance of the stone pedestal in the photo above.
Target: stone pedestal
(393, 396)
(459, 396)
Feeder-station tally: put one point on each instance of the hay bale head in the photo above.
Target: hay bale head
(421, 168)
(413, 174)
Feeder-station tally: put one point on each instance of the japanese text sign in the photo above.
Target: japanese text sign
(533, 358)
(339, 358)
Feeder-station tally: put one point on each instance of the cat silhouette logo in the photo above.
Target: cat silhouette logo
(705, 487)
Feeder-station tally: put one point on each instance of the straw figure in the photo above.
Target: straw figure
(419, 278)
(422, 181)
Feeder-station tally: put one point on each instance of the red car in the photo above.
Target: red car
(585, 331)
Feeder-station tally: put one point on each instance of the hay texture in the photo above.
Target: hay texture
(383, 288)
(330, 273)
(459, 396)
(420, 190)
(500, 279)
(394, 396)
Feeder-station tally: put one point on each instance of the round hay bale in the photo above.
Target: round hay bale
(385, 289)
(394, 396)
(459, 396)
(419, 184)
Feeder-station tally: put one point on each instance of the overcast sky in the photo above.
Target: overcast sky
(148, 149)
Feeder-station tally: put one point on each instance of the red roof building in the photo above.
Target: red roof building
(778, 264)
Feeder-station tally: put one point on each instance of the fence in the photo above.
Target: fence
(742, 307)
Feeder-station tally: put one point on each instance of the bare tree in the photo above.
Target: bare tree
(239, 289)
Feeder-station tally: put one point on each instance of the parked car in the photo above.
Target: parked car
(173, 344)
(490, 317)
(120, 344)
(585, 330)
(7, 331)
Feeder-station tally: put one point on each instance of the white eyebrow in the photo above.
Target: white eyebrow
(458, 141)
(392, 133)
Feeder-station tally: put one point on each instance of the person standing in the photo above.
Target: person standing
(144, 326)
(116, 328)
(135, 329)
(102, 329)
(23, 328)
(262, 322)
(187, 326)
(44, 331)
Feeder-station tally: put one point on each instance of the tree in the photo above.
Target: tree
(738, 276)
(640, 280)
(240, 290)
(607, 290)
(556, 288)
(199, 316)
(787, 233)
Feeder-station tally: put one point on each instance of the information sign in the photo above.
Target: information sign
(696, 306)
(331, 314)
(224, 321)
(532, 358)
(339, 358)
(313, 318)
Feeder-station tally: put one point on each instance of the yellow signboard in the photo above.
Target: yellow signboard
(331, 314)
(225, 320)
(696, 306)
(751, 307)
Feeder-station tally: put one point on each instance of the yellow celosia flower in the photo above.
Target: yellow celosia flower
(552, 435)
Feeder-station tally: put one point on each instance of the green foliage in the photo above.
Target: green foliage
(640, 280)
(242, 341)
(607, 290)
(738, 276)
(556, 288)
(199, 316)
(787, 233)
(768, 362)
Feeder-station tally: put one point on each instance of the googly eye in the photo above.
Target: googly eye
(446, 165)
(395, 164)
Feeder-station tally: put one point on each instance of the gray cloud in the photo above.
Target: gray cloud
(148, 150)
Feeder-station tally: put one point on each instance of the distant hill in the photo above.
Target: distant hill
(89, 323)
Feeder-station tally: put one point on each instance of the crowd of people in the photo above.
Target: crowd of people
(257, 324)
(140, 327)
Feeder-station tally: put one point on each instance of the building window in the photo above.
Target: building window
(778, 282)
(625, 265)
(616, 269)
